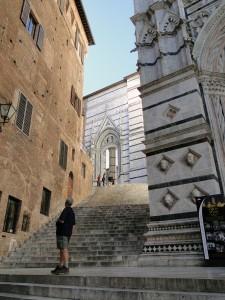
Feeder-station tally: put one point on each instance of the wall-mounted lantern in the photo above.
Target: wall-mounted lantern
(7, 110)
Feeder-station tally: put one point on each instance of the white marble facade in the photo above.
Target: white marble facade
(181, 61)
(114, 123)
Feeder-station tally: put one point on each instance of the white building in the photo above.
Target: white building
(114, 131)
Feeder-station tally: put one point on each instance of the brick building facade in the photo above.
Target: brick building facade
(42, 49)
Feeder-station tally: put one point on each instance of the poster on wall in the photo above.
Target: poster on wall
(211, 212)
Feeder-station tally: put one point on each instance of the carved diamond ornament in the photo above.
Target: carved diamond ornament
(192, 157)
(196, 192)
(169, 199)
(165, 163)
(171, 111)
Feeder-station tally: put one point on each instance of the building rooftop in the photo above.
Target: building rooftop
(84, 20)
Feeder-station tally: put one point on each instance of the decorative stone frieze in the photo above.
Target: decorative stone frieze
(192, 157)
(187, 247)
(196, 192)
(171, 111)
(170, 23)
(213, 84)
(165, 164)
(169, 199)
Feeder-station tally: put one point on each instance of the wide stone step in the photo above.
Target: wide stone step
(73, 264)
(100, 286)
(73, 253)
(42, 292)
(94, 232)
(10, 296)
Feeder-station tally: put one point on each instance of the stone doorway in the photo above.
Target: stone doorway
(107, 158)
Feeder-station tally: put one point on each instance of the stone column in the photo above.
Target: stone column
(178, 140)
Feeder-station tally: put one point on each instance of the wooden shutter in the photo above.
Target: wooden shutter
(21, 112)
(67, 5)
(25, 12)
(77, 37)
(73, 95)
(79, 106)
(61, 5)
(65, 155)
(61, 153)
(27, 120)
(40, 39)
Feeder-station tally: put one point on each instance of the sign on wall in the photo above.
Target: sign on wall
(211, 212)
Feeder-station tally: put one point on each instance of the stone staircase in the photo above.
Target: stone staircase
(104, 250)
(118, 283)
(103, 236)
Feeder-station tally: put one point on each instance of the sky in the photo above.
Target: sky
(109, 60)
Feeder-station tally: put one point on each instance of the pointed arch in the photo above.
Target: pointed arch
(209, 47)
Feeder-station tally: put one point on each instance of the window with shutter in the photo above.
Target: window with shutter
(35, 29)
(63, 155)
(45, 201)
(24, 115)
(12, 214)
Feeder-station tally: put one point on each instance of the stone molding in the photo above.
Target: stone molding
(174, 248)
(213, 83)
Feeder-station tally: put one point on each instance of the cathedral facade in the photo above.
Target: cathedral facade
(114, 132)
(181, 60)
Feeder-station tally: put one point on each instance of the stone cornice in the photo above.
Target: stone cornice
(213, 83)
(168, 80)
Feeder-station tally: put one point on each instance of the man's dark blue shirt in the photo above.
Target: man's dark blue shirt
(66, 227)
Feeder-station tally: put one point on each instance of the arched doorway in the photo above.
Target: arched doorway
(209, 53)
(107, 158)
(70, 185)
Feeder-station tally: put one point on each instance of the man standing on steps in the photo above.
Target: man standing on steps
(64, 228)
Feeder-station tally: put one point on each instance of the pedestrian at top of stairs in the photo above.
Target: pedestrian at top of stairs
(64, 229)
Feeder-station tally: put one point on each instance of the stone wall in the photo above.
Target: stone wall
(180, 48)
(29, 162)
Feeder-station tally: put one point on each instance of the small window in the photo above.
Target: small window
(33, 27)
(63, 155)
(45, 202)
(73, 155)
(83, 170)
(12, 215)
(26, 222)
(24, 114)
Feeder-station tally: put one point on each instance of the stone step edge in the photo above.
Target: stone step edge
(26, 297)
(147, 283)
(73, 287)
